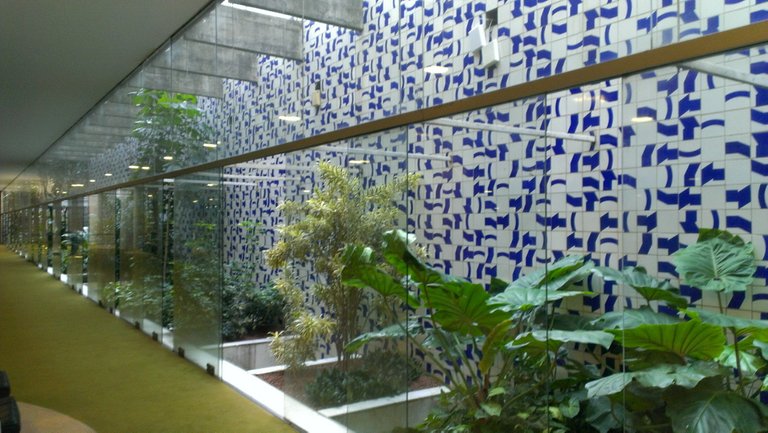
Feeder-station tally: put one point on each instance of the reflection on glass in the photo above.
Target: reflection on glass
(75, 242)
(102, 253)
(197, 268)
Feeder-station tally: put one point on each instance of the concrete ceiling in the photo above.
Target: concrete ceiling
(60, 57)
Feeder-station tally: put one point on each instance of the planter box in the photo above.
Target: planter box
(249, 354)
(254, 354)
(379, 415)
(384, 414)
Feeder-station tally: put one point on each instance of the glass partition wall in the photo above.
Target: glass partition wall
(526, 266)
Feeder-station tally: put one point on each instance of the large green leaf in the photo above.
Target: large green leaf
(463, 307)
(710, 408)
(660, 376)
(646, 286)
(603, 415)
(692, 338)
(396, 251)
(748, 362)
(359, 271)
(527, 298)
(741, 326)
(492, 345)
(555, 276)
(719, 262)
(586, 337)
(541, 342)
(629, 319)
(395, 331)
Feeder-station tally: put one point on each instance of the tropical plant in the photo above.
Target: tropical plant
(170, 128)
(342, 211)
(697, 372)
(510, 366)
(502, 356)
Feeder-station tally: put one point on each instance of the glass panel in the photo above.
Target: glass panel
(197, 268)
(333, 196)
(102, 253)
(56, 229)
(75, 241)
(145, 299)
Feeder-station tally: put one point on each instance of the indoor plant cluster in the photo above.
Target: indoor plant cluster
(514, 362)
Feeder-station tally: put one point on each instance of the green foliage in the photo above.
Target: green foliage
(171, 130)
(711, 408)
(377, 374)
(248, 309)
(678, 375)
(718, 262)
(648, 287)
(340, 212)
(513, 386)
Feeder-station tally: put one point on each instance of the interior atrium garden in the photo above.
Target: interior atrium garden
(382, 216)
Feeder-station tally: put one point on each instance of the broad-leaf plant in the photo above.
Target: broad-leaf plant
(515, 362)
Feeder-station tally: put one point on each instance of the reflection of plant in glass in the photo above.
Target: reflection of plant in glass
(341, 212)
(196, 279)
(74, 244)
(170, 128)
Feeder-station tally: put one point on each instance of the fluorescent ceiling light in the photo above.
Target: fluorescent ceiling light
(77, 185)
(92, 180)
(209, 145)
(305, 191)
(63, 192)
(168, 158)
(133, 167)
(210, 184)
(145, 167)
(194, 201)
(258, 11)
(107, 174)
(437, 70)
(358, 161)
(149, 195)
(642, 119)
(289, 118)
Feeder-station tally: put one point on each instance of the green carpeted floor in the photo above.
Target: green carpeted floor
(65, 353)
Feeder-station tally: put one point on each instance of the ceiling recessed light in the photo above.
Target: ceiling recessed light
(133, 167)
(210, 145)
(289, 118)
(107, 174)
(149, 195)
(437, 70)
(642, 119)
(168, 158)
(358, 161)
